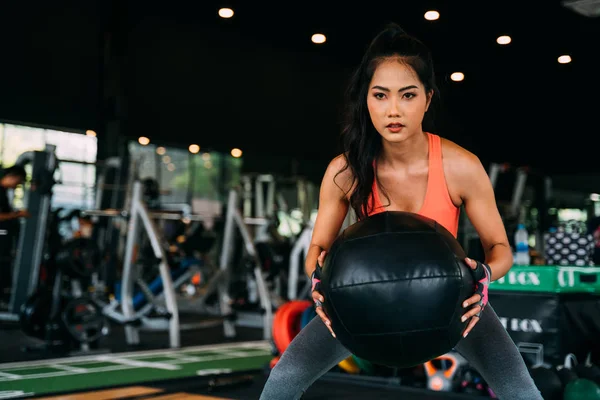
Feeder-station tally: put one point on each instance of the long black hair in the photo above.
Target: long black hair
(361, 143)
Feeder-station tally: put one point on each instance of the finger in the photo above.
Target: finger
(476, 298)
(325, 320)
(472, 312)
(317, 296)
(471, 325)
(471, 263)
(321, 258)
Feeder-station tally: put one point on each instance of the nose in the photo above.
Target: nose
(394, 110)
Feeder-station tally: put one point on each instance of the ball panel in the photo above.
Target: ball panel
(389, 257)
(394, 221)
(403, 350)
(396, 306)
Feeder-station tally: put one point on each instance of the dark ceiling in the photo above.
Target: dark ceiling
(256, 81)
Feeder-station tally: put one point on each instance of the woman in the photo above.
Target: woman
(391, 164)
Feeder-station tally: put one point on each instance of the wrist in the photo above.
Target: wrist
(488, 271)
(315, 278)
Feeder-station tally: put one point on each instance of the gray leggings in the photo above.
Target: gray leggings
(488, 348)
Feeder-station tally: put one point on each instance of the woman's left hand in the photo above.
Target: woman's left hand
(483, 275)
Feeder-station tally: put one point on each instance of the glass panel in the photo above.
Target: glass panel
(178, 172)
(146, 157)
(73, 146)
(174, 175)
(18, 140)
(72, 197)
(207, 174)
(76, 187)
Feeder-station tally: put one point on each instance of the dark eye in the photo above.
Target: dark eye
(409, 95)
(379, 96)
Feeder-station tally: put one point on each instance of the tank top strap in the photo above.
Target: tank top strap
(438, 205)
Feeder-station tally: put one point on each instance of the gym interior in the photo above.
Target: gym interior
(174, 155)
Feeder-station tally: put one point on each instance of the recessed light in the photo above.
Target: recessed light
(565, 59)
(457, 76)
(318, 38)
(237, 153)
(225, 13)
(504, 39)
(432, 15)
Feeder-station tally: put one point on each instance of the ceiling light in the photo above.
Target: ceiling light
(457, 76)
(564, 59)
(143, 140)
(225, 13)
(432, 15)
(237, 153)
(161, 150)
(194, 148)
(503, 39)
(318, 38)
(90, 132)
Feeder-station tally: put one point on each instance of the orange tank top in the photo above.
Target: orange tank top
(437, 205)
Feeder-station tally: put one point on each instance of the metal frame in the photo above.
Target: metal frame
(299, 252)
(32, 235)
(234, 219)
(139, 214)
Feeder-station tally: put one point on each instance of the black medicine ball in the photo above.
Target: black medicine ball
(394, 284)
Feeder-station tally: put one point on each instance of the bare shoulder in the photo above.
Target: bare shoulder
(462, 168)
(459, 159)
(339, 175)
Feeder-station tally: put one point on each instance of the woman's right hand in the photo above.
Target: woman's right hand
(319, 299)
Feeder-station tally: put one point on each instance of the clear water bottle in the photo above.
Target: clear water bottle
(522, 246)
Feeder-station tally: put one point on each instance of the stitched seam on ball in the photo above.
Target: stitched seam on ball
(400, 332)
(331, 289)
(393, 280)
(390, 233)
(455, 313)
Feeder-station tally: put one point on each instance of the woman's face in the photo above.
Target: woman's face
(397, 101)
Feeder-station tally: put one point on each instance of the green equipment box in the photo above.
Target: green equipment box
(549, 279)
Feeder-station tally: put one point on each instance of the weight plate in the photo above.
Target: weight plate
(84, 320)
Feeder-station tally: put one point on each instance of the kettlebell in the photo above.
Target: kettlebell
(547, 380)
(589, 371)
(565, 372)
(582, 389)
(443, 372)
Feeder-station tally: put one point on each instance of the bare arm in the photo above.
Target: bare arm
(7, 216)
(478, 197)
(333, 207)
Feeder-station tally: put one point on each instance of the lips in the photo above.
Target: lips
(395, 127)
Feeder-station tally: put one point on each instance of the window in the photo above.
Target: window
(76, 153)
(174, 175)
(19, 139)
(77, 186)
(73, 146)
(145, 160)
(184, 177)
